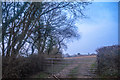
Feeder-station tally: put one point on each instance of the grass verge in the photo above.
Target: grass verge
(74, 72)
(40, 75)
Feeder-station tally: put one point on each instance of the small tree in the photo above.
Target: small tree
(67, 55)
(78, 54)
(88, 53)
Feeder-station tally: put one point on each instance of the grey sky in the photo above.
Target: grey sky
(100, 29)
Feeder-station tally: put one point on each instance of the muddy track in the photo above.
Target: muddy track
(65, 72)
(82, 64)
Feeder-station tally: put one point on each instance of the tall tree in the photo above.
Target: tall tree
(31, 26)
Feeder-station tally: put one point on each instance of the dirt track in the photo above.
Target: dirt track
(78, 67)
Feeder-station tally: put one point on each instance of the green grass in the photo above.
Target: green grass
(43, 75)
(93, 65)
(93, 68)
(73, 73)
(40, 75)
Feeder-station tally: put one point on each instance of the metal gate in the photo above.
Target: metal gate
(73, 67)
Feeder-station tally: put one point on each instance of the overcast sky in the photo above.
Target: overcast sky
(100, 29)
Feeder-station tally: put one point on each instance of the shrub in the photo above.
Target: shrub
(108, 60)
(22, 66)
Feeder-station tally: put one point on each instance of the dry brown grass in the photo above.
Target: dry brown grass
(80, 57)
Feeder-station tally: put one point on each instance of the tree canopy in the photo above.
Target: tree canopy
(38, 27)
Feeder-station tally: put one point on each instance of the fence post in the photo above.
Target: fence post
(52, 66)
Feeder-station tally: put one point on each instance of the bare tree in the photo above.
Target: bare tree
(30, 24)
